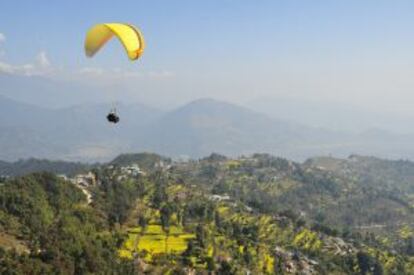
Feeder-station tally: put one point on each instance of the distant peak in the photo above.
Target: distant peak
(210, 102)
(205, 100)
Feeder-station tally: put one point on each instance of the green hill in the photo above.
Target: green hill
(22, 167)
(258, 214)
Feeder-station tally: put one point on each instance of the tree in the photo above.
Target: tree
(165, 212)
(217, 219)
(364, 262)
(247, 256)
(210, 264)
(188, 253)
(378, 270)
(143, 222)
(410, 246)
(209, 171)
(200, 235)
(159, 197)
(278, 266)
(225, 268)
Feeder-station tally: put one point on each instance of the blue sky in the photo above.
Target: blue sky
(349, 51)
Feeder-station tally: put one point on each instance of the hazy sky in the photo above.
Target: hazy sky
(356, 52)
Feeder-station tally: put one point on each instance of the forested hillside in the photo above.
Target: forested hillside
(258, 214)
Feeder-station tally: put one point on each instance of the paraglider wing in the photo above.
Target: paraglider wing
(130, 37)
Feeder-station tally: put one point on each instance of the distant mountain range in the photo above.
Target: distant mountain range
(75, 133)
(81, 133)
(205, 126)
(331, 114)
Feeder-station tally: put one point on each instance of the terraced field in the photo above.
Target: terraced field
(154, 240)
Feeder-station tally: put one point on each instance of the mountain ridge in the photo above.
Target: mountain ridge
(196, 129)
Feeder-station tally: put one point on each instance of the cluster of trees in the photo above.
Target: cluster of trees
(22, 167)
(116, 199)
(348, 197)
(62, 234)
(144, 160)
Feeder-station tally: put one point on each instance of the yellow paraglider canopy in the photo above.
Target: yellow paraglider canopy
(130, 37)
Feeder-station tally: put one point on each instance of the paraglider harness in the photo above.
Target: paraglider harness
(112, 116)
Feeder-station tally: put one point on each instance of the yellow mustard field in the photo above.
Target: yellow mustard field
(154, 240)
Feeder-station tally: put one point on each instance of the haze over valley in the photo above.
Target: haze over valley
(196, 129)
